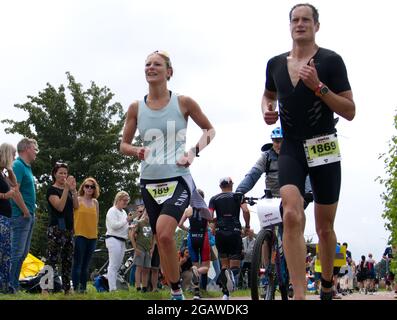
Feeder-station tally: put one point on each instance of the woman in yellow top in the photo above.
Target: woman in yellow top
(86, 219)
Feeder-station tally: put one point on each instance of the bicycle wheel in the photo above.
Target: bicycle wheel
(281, 266)
(282, 276)
(262, 276)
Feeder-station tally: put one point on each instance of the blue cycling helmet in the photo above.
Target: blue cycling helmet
(277, 133)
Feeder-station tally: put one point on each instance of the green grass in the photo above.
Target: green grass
(131, 294)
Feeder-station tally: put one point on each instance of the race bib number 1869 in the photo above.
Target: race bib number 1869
(161, 192)
(322, 150)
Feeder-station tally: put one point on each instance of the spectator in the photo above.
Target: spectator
(117, 222)
(371, 273)
(62, 199)
(86, 219)
(351, 270)
(185, 264)
(136, 216)
(8, 190)
(388, 256)
(154, 266)
(348, 253)
(362, 275)
(248, 248)
(23, 208)
(142, 241)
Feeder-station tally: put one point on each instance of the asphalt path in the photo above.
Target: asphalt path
(380, 295)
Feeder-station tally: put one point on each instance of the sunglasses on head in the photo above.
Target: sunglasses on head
(61, 164)
(90, 186)
(162, 53)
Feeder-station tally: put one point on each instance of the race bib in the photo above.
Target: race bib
(322, 150)
(161, 192)
(268, 211)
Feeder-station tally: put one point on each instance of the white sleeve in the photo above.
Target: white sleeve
(114, 220)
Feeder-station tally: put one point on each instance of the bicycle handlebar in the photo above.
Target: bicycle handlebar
(253, 200)
(250, 200)
(308, 198)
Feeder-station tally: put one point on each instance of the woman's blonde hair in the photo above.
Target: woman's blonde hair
(7, 155)
(166, 58)
(97, 190)
(119, 195)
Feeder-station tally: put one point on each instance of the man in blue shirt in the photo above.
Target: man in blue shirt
(23, 210)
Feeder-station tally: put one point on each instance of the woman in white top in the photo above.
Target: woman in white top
(117, 222)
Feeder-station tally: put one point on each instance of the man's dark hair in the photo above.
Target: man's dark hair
(314, 10)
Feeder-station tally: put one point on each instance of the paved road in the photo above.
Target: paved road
(383, 295)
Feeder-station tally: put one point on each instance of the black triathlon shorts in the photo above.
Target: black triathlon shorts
(174, 207)
(229, 244)
(293, 168)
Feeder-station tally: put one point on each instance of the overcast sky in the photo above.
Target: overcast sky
(219, 50)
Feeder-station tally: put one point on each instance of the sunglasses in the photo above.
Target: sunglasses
(165, 55)
(162, 53)
(90, 186)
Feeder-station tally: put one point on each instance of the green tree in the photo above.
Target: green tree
(390, 195)
(82, 128)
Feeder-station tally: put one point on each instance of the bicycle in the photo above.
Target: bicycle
(101, 257)
(268, 264)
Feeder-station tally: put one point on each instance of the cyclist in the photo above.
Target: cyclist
(197, 243)
(268, 164)
(228, 233)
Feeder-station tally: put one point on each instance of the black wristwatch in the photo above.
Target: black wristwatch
(321, 90)
(195, 151)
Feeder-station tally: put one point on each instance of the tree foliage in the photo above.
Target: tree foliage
(82, 128)
(390, 195)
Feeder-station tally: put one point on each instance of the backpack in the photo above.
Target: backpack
(267, 165)
(32, 284)
(268, 162)
(101, 284)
